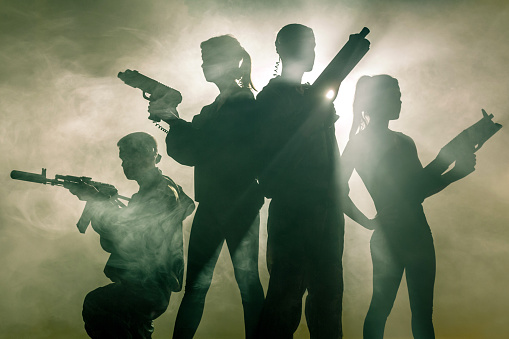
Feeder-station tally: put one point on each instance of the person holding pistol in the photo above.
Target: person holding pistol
(218, 143)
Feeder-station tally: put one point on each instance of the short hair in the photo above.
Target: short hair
(291, 33)
(138, 142)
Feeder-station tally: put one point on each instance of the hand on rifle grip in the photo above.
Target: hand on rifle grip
(83, 191)
(465, 164)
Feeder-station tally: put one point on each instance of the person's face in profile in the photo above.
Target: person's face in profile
(306, 53)
(135, 163)
(387, 103)
(217, 66)
(392, 102)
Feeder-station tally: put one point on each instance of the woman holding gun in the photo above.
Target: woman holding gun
(388, 164)
(217, 143)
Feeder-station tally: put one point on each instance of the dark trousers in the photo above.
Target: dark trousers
(394, 251)
(304, 252)
(122, 311)
(211, 228)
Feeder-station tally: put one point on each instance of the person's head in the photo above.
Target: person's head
(138, 152)
(295, 44)
(377, 97)
(225, 60)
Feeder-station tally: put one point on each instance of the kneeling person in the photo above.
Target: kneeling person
(145, 241)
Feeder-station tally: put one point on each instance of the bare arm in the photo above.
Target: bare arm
(440, 180)
(349, 208)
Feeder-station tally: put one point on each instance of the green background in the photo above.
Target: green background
(63, 108)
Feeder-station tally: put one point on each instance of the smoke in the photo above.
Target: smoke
(64, 109)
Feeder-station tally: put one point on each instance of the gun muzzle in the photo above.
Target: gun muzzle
(364, 32)
(26, 176)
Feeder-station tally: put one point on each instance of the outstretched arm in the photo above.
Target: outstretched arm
(97, 205)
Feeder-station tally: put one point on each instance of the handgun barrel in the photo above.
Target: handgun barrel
(134, 79)
(137, 80)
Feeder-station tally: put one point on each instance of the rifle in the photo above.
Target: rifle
(107, 191)
(150, 86)
(471, 139)
(341, 65)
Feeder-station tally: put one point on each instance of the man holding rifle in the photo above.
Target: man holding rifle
(299, 157)
(145, 241)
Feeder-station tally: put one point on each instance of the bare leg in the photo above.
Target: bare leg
(420, 276)
(387, 274)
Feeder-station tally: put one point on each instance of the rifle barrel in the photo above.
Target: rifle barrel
(365, 31)
(342, 64)
(26, 176)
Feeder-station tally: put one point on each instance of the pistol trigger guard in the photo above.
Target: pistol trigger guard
(145, 96)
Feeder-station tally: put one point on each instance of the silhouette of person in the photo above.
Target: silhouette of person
(305, 225)
(217, 143)
(145, 243)
(388, 164)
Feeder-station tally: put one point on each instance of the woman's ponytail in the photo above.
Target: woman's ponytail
(245, 70)
(369, 93)
(360, 104)
(229, 48)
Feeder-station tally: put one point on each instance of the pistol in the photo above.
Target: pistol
(150, 86)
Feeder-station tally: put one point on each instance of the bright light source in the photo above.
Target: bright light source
(330, 94)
